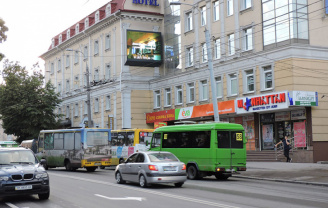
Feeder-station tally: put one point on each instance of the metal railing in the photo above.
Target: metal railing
(279, 151)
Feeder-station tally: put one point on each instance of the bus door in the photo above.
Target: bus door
(230, 152)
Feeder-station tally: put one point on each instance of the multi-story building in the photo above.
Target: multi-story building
(269, 63)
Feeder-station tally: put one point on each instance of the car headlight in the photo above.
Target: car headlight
(4, 178)
(41, 175)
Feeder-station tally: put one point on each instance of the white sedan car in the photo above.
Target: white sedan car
(151, 167)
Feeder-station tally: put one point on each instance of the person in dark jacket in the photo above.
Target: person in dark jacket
(286, 144)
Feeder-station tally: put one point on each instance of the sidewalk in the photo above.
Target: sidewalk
(305, 173)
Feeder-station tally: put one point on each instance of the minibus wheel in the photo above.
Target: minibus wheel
(192, 172)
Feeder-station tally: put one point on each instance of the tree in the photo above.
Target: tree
(3, 36)
(26, 104)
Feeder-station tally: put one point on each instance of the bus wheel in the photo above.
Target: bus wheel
(192, 172)
(91, 169)
(68, 165)
(221, 176)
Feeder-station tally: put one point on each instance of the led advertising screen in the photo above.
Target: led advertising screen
(144, 48)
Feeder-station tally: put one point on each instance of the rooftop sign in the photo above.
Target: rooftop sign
(146, 2)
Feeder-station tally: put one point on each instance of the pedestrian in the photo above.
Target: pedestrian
(286, 144)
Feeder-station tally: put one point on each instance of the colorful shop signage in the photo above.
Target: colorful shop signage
(159, 124)
(304, 98)
(299, 134)
(265, 102)
(167, 115)
(146, 2)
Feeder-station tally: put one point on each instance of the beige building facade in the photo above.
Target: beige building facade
(270, 61)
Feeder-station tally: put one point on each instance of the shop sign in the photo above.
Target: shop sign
(159, 124)
(263, 102)
(282, 116)
(298, 114)
(146, 2)
(304, 98)
(299, 134)
(168, 115)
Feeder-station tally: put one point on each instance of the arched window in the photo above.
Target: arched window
(108, 10)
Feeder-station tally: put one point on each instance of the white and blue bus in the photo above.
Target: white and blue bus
(75, 148)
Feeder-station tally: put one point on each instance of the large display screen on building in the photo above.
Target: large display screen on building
(144, 48)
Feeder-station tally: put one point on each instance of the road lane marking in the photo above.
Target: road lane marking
(199, 201)
(121, 199)
(12, 205)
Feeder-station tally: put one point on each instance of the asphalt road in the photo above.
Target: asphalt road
(99, 189)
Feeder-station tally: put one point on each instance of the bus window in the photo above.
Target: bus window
(69, 141)
(40, 143)
(77, 141)
(223, 139)
(187, 139)
(235, 142)
(48, 141)
(145, 136)
(97, 138)
(237, 139)
(58, 141)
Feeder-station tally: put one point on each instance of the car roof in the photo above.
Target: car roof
(152, 152)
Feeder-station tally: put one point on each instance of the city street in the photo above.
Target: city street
(99, 189)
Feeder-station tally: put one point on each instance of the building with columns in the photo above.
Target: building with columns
(270, 63)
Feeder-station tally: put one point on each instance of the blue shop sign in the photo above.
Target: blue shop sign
(146, 2)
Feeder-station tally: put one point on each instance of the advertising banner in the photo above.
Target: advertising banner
(282, 116)
(299, 134)
(267, 136)
(159, 124)
(298, 114)
(304, 98)
(168, 115)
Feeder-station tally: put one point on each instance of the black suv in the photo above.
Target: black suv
(22, 174)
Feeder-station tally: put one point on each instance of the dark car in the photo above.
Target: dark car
(22, 174)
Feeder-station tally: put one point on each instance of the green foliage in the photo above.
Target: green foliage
(26, 103)
(3, 36)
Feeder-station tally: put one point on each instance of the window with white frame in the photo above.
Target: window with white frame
(85, 52)
(96, 105)
(76, 110)
(232, 84)
(85, 107)
(189, 56)
(204, 53)
(76, 82)
(248, 39)
(108, 103)
(230, 7)
(190, 92)
(167, 97)
(85, 79)
(52, 68)
(86, 23)
(249, 84)
(67, 111)
(107, 42)
(178, 95)
(76, 57)
(59, 88)
(59, 65)
(107, 71)
(188, 24)
(97, 16)
(245, 4)
(219, 87)
(77, 29)
(231, 44)
(68, 33)
(203, 90)
(157, 99)
(217, 49)
(267, 78)
(96, 47)
(67, 85)
(67, 61)
(108, 10)
(216, 10)
(203, 15)
(60, 38)
(96, 75)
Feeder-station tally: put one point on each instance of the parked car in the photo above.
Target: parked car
(21, 173)
(151, 167)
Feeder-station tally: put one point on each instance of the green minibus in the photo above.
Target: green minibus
(207, 149)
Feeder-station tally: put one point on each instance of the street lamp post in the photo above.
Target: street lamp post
(210, 64)
(88, 89)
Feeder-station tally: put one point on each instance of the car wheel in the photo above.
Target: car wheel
(178, 184)
(68, 165)
(192, 172)
(44, 196)
(142, 181)
(119, 178)
(221, 176)
(91, 169)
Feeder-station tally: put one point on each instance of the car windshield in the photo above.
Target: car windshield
(17, 157)
(162, 157)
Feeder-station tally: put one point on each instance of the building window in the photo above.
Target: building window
(85, 79)
(67, 85)
(96, 105)
(60, 38)
(217, 48)
(248, 81)
(59, 111)
(230, 7)
(204, 53)
(190, 57)
(188, 23)
(108, 103)
(76, 82)
(76, 57)
(68, 33)
(76, 110)
(59, 88)
(97, 16)
(85, 52)
(245, 4)
(283, 21)
(231, 44)
(216, 10)
(107, 42)
(107, 72)
(96, 47)
(85, 107)
(266, 78)
(67, 61)
(96, 75)
(219, 87)
(77, 29)
(86, 23)
(248, 39)
(190, 92)
(108, 10)
(52, 68)
(178, 95)
(203, 15)
(232, 84)
(168, 97)
(203, 90)
(59, 65)
(157, 99)
(67, 111)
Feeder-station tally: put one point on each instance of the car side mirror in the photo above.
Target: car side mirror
(43, 162)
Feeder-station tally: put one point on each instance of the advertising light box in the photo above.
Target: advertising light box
(144, 48)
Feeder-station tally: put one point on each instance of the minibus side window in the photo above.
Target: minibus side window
(156, 140)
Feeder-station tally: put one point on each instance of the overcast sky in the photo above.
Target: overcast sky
(33, 23)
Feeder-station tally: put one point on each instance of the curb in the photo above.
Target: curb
(283, 180)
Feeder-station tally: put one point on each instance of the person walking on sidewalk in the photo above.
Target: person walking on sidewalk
(286, 144)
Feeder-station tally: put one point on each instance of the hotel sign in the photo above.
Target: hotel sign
(146, 2)
(265, 102)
